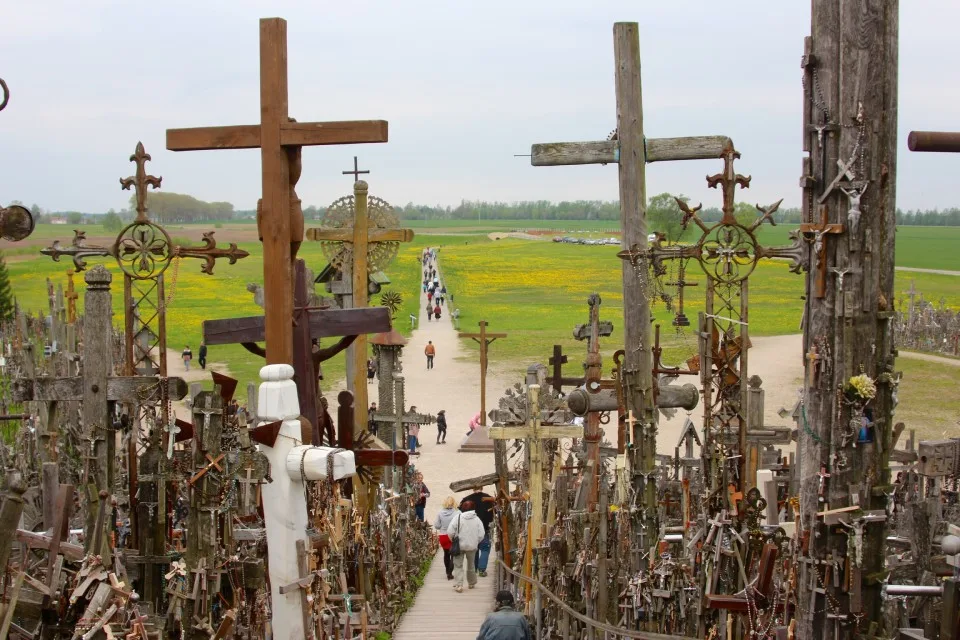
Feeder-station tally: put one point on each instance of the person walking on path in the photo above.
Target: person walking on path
(441, 524)
(483, 503)
(429, 295)
(467, 528)
(371, 370)
(442, 427)
(187, 356)
(436, 312)
(505, 623)
(413, 430)
(430, 351)
(429, 311)
(371, 422)
(422, 494)
(474, 423)
(202, 355)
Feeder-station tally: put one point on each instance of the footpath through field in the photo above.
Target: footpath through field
(453, 385)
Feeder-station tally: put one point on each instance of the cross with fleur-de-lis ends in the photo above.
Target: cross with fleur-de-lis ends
(141, 181)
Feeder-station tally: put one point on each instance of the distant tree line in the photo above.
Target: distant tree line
(166, 207)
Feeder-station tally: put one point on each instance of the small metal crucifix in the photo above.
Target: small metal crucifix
(356, 170)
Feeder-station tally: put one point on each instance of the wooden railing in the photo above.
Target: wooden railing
(595, 628)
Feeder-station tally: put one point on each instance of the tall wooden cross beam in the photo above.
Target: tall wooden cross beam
(484, 339)
(363, 238)
(280, 140)
(631, 151)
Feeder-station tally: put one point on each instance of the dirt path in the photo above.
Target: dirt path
(942, 272)
(175, 368)
(929, 357)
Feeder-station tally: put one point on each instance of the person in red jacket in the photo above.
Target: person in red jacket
(436, 312)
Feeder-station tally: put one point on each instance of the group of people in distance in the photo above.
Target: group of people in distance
(470, 525)
(436, 292)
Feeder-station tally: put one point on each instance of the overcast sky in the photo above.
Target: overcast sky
(464, 84)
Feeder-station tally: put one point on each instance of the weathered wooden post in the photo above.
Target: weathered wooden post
(850, 133)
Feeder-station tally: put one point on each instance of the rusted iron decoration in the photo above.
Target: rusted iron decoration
(6, 94)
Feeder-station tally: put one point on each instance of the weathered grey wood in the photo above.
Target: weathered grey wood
(854, 45)
(10, 514)
(324, 323)
(479, 481)
(638, 360)
(133, 389)
(34, 540)
(608, 151)
(50, 485)
(97, 425)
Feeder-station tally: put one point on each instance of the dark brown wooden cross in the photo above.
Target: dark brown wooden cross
(816, 233)
(307, 323)
(557, 360)
(280, 140)
(764, 590)
(364, 456)
(356, 171)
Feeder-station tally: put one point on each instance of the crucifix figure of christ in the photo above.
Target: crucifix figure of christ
(522, 417)
(630, 151)
(307, 324)
(817, 233)
(484, 339)
(280, 140)
(359, 236)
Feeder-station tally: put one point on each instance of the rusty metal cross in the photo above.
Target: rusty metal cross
(356, 171)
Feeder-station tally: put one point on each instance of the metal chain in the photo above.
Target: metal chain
(817, 95)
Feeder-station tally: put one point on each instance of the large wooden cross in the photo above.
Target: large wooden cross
(360, 236)
(631, 151)
(817, 233)
(280, 140)
(539, 427)
(484, 339)
(306, 324)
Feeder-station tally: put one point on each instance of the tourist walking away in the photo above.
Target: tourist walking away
(430, 351)
(440, 524)
(429, 295)
(371, 422)
(187, 356)
(436, 312)
(429, 311)
(422, 493)
(505, 623)
(413, 430)
(442, 426)
(483, 505)
(202, 355)
(371, 370)
(466, 532)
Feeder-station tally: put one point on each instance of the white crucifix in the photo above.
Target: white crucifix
(533, 433)
(173, 430)
(284, 504)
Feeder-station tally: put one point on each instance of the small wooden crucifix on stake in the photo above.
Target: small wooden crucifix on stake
(484, 339)
(816, 232)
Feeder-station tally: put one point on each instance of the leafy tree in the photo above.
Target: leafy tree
(75, 217)
(664, 216)
(6, 293)
(112, 221)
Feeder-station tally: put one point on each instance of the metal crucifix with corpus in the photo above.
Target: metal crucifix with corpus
(280, 140)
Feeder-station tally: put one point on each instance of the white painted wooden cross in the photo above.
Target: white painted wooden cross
(534, 433)
(284, 504)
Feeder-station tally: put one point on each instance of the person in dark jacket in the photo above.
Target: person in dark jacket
(505, 623)
(484, 504)
(442, 427)
(202, 355)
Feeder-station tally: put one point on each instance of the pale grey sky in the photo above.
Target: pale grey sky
(464, 85)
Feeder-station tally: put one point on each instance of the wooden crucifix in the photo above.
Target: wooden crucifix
(362, 237)
(557, 360)
(484, 339)
(630, 150)
(536, 429)
(817, 233)
(98, 390)
(307, 324)
(280, 140)
(366, 455)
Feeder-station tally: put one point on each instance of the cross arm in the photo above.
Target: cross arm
(608, 151)
(373, 235)
(324, 323)
(293, 134)
(509, 433)
(477, 336)
(560, 431)
(133, 389)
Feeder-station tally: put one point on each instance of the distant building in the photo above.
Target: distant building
(58, 220)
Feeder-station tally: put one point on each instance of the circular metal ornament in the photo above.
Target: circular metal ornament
(143, 250)
(380, 215)
(16, 222)
(728, 252)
